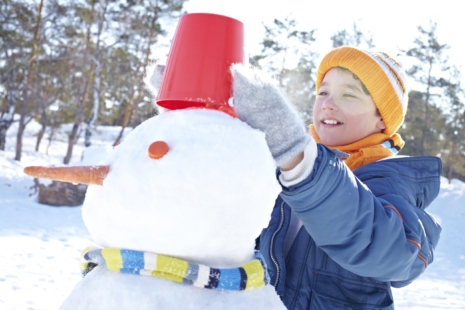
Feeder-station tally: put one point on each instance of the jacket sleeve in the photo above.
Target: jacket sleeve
(381, 236)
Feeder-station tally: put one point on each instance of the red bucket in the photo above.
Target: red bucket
(197, 72)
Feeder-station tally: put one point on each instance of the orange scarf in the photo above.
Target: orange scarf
(367, 150)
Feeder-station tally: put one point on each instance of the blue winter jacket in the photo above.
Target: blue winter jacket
(362, 232)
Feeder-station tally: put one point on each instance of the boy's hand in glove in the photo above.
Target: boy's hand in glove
(153, 78)
(261, 104)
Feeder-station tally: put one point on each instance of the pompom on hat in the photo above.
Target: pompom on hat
(383, 76)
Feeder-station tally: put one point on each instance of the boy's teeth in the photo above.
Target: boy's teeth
(331, 122)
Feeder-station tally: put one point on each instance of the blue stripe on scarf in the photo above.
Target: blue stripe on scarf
(134, 261)
(230, 279)
(389, 144)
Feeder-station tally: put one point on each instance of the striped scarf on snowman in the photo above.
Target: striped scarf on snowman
(249, 276)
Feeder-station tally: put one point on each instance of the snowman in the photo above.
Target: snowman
(174, 211)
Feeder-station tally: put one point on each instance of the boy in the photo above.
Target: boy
(350, 221)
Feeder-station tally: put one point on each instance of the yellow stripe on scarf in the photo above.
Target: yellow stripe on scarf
(113, 259)
(255, 274)
(83, 264)
(171, 268)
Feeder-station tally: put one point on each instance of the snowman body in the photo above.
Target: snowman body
(205, 202)
(104, 289)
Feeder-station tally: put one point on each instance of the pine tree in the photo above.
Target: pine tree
(453, 152)
(431, 62)
(29, 74)
(412, 130)
(356, 38)
(287, 52)
(17, 21)
(144, 25)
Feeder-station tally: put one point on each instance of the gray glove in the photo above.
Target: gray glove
(153, 78)
(260, 103)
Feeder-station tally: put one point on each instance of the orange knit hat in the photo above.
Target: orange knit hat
(383, 76)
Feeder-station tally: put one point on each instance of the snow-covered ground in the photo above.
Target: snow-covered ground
(40, 245)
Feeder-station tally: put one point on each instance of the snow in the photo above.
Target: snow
(143, 292)
(41, 245)
(443, 284)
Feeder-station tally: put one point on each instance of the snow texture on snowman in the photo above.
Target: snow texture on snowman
(175, 228)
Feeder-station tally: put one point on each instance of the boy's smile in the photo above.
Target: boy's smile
(343, 113)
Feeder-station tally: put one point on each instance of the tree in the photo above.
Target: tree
(111, 46)
(15, 33)
(300, 86)
(431, 62)
(97, 64)
(287, 52)
(453, 152)
(144, 26)
(8, 113)
(80, 62)
(355, 38)
(78, 40)
(413, 129)
(30, 71)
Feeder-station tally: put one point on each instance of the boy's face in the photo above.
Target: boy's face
(343, 113)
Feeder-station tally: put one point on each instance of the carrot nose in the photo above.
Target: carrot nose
(158, 149)
(77, 174)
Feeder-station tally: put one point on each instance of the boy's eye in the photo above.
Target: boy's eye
(322, 93)
(349, 95)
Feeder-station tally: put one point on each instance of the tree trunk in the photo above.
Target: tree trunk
(82, 96)
(451, 172)
(90, 123)
(452, 157)
(50, 139)
(24, 103)
(98, 71)
(127, 117)
(426, 111)
(7, 118)
(453, 149)
(140, 94)
(41, 133)
(71, 140)
(19, 139)
(4, 125)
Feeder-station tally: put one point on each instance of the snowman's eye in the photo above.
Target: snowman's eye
(158, 149)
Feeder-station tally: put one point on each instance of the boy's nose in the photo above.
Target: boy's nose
(329, 104)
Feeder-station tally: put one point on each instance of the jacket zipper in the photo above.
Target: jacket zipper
(278, 271)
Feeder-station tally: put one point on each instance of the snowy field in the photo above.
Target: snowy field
(40, 245)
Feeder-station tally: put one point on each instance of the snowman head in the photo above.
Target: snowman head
(205, 199)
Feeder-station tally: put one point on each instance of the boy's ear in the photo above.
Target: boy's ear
(380, 124)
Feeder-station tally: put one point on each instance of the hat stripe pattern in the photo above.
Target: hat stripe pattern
(395, 75)
(397, 67)
(249, 276)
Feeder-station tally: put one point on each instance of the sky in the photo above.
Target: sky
(41, 245)
(393, 23)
